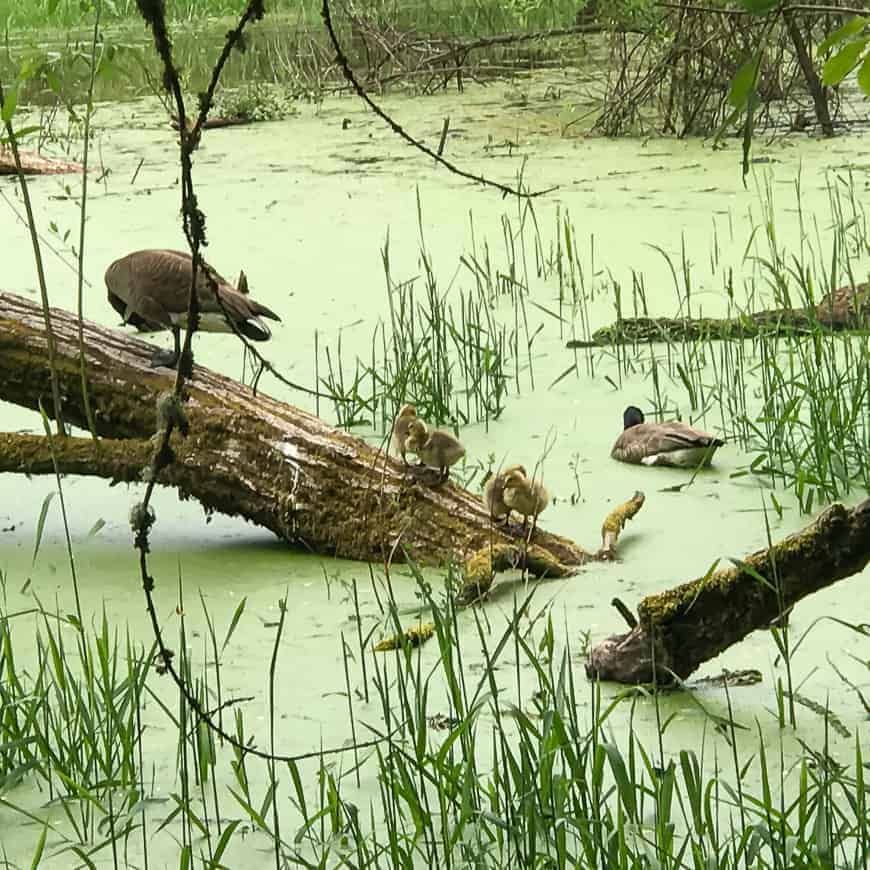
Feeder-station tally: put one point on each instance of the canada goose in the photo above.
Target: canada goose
(437, 449)
(493, 493)
(150, 289)
(672, 443)
(525, 496)
(407, 414)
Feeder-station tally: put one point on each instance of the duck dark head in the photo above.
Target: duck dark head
(632, 417)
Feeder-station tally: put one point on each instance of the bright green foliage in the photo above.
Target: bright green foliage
(849, 45)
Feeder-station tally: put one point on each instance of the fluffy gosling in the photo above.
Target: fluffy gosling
(493, 493)
(437, 449)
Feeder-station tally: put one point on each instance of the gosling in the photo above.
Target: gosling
(493, 494)
(436, 449)
(525, 496)
(150, 289)
(398, 442)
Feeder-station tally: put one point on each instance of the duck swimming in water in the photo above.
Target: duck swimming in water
(672, 443)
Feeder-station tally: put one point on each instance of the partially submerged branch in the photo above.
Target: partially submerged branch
(680, 629)
(847, 308)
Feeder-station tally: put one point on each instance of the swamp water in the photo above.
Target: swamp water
(304, 206)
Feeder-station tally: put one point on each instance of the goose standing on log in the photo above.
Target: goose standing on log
(672, 443)
(150, 289)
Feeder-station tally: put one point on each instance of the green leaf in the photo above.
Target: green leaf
(851, 28)
(864, 76)
(10, 101)
(41, 524)
(52, 6)
(843, 62)
(40, 848)
(743, 84)
(95, 528)
(759, 7)
(237, 615)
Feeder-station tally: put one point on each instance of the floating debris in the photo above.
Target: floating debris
(413, 637)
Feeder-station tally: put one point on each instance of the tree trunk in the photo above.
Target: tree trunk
(814, 85)
(681, 628)
(246, 454)
(846, 308)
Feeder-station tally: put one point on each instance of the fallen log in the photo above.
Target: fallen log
(680, 629)
(34, 164)
(246, 454)
(847, 308)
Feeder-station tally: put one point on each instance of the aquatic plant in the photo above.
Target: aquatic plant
(471, 768)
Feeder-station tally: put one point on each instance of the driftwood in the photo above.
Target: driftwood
(246, 454)
(847, 308)
(680, 629)
(34, 164)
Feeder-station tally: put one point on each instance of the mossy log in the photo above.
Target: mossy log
(680, 629)
(246, 454)
(847, 308)
(34, 164)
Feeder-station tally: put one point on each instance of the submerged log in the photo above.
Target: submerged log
(35, 164)
(846, 308)
(680, 629)
(247, 455)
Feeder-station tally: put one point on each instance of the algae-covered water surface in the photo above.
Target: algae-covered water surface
(330, 215)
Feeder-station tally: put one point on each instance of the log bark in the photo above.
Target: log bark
(846, 308)
(34, 164)
(680, 629)
(247, 455)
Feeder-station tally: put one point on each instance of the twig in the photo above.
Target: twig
(142, 516)
(399, 131)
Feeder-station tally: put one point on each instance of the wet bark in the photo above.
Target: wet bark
(680, 629)
(847, 308)
(34, 164)
(247, 455)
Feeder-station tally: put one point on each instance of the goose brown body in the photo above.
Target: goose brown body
(672, 443)
(437, 449)
(150, 289)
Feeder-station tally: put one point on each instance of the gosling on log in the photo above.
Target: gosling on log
(672, 443)
(150, 289)
(436, 449)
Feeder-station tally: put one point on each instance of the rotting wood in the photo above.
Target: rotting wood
(481, 567)
(35, 164)
(246, 455)
(846, 308)
(680, 629)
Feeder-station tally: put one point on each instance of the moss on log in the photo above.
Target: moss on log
(680, 629)
(847, 308)
(246, 455)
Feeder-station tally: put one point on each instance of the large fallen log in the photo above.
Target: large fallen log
(245, 454)
(846, 308)
(680, 629)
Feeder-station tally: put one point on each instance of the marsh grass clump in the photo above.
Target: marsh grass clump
(448, 352)
(502, 765)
